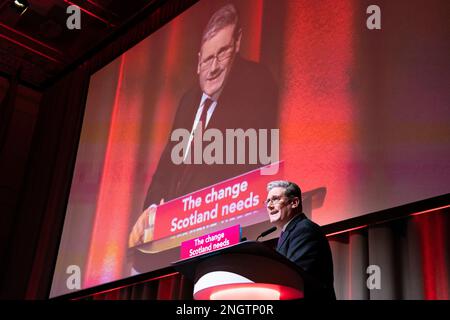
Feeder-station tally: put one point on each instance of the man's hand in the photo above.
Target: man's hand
(143, 226)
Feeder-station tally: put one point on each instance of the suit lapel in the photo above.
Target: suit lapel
(289, 229)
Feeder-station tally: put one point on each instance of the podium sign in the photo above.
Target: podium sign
(211, 242)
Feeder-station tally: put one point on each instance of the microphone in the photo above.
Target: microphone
(265, 233)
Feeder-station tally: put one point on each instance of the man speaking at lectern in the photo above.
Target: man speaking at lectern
(301, 241)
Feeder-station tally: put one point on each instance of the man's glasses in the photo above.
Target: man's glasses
(224, 53)
(274, 200)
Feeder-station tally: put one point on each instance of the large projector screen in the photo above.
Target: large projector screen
(307, 91)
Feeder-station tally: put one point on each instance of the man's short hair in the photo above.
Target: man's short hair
(224, 17)
(292, 190)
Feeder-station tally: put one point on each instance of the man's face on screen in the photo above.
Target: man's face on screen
(216, 57)
(279, 207)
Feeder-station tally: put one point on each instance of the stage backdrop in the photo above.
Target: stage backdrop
(363, 118)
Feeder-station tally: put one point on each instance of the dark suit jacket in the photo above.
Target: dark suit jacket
(248, 100)
(304, 243)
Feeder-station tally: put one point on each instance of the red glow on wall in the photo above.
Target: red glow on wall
(167, 96)
(315, 93)
(253, 32)
(433, 246)
(430, 210)
(108, 242)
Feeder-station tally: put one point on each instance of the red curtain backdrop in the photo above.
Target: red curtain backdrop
(412, 254)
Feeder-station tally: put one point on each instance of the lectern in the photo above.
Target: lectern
(249, 270)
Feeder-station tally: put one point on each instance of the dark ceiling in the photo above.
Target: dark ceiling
(39, 44)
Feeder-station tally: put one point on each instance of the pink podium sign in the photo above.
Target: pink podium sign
(211, 242)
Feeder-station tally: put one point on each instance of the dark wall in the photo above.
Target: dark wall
(19, 109)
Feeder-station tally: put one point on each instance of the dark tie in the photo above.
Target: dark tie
(203, 116)
(204, 113)
(183, 175)
(280, 239)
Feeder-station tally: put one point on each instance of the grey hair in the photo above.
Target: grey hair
(224, 17)
(291, 189)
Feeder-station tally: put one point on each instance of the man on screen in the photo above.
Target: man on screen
(301, 241)
(231, 93)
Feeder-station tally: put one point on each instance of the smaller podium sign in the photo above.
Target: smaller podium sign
(211, 242)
